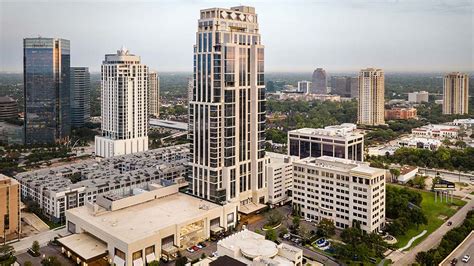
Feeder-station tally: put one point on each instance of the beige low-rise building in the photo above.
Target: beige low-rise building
(9, 208)
(144, 226)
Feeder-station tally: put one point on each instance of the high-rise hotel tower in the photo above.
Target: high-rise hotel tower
(227, 108)
(455, 93)
(371, 97)
(124, 84)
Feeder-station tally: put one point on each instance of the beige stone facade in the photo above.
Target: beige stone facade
(456, 93)
(371, 97)
(9, 208)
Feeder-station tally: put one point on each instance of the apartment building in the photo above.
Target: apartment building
(455, 93)
(340, 190)
(124, 112)
(304, 86)
(227, 108)
(10, 222)
(371, 97)
(65, 187)
(342, 141)
(279, 170)
(418, 96)
(399, 113)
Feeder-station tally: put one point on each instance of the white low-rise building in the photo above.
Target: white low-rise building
(253, 249)
(143, 226)
(464, 123)
(420, 143)
(436, 131)
(58, 189)
(340, 190)
(280, 177)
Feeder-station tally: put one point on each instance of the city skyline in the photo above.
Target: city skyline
(335, 45)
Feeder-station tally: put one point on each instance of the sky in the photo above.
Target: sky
(299, 35)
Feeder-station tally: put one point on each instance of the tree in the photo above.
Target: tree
(282, 231)
(27, 263)
(461, 144)
(274, 218)
(155, 263)
(326, 228)
(271, 234)
(296, 223)
(35, 247)
(395, 174)
(6, 255)
(51, 261)
(304, 233)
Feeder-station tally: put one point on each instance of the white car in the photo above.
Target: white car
(466, 258)
(308, 220)
(286, 236)
(190, 250)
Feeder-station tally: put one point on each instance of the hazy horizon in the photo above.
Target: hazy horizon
(399, 36)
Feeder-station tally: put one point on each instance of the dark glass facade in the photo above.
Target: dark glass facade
(80, 96)
(46, 70)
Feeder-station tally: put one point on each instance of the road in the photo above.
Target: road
(450, 176)
(42, 238)
(407, 258)
(465, 248)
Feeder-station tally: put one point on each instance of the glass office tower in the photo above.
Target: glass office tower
(227, 108)
(46, 70)
(80, 96)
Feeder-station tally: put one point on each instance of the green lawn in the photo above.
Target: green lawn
(432, 211)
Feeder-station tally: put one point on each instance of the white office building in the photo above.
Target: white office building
(342, 141)
(304, 86)
(436, 131)
(340, 190)
(279, 170)
(227, 109)
(418, 96)
(124, 84)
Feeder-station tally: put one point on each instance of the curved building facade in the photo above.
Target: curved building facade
(8, 108)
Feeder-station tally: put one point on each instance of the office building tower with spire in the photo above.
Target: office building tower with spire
(124, 84)
(319, 85)
(46, 77)
(371, 109)
(153, 94)
(455, 93)
(227, 108)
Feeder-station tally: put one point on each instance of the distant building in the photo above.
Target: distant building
(436, 131)
(279, 170)
(124, 105)
(420, 143)
(8, 108)
(10, 222)
(342, 141)
(153, 94)
(80, 96)
(371, 97)
(399, 113)
(319, 85)
(418, 97)
(456, 93)
(464, 123)
(11, 134)
(253, 249)
(142, 225)
(71, 186)
(407, 173)
(340, 190)
(344, 86)
(46, 77)
(299, 96)
(304, 86)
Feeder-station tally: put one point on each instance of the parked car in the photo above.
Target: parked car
(214, 254)
(195, 248)
(286, 236)
(202, 244)
(466, 258)
(454, 261)
(450, 223)
(190, 250)
(308, 220)
(199, 246)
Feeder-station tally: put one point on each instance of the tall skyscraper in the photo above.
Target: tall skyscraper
(341, 85)
(227, 108)
(153, 94)
(371, 97)
(456, 93)
(80, 96)
(319, 82)
(354, 87)
(124, 83)
(46, 74)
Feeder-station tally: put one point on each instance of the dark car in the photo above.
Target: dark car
(454, 261)
(202, 244)
(450, 223)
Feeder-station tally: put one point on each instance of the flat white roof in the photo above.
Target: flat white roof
(84, 245)
(140, 221)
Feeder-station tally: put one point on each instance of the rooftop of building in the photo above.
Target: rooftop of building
(414, 140)
(340, 164)
(280, 158)
(345, 130)
(407, 169)
(168, 124)
(436, 127)
(144, 218)
(7, 180)
(97, 174)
